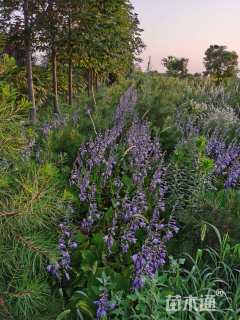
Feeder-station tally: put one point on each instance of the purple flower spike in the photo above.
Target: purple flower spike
(61, 268)
(103, 306)
(109, 242)
(233, 176)
(128, 166)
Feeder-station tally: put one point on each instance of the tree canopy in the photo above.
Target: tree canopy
(220, 63)
(176, 66)
(102, 38)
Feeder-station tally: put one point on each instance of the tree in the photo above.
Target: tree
(27, 12)
(14, 44)
(102, 38)
(114, 43)
(77, 27)
(176, 66)
(21, 14)
(220, 63)
(49, 24)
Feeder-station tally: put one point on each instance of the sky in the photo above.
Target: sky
(186, 28)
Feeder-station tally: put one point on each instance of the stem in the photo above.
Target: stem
(92, 86)
(70, 80)
(54, 82)
(89, 82)
(28, 48)
(93, 124)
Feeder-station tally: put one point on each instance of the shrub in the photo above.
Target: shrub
(209, 273)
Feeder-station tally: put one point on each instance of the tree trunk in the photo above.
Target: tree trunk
(55, 82)
(89, 82)
(92, 87)
(95, 81)
(70, 81)
(28, 48)
(70, 72)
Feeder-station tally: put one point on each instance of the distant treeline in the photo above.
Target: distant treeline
(102, 38)
(218, 61)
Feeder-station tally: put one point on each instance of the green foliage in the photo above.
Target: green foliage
(175, 66)
(28, 215)
(92, 41)
(35, 196)
(159, 98)
(220, 63)
(199, 199)
(14, 109)
(36, 163)
(204, 274)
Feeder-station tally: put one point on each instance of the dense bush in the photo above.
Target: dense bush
(34, 194)
(121, 244)
(208, 272)
(99, 206)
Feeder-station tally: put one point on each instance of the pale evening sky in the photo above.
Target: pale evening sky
(185, 28)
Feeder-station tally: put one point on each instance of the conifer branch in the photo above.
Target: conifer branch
(8, 213)
(4, 307)
(27, 243)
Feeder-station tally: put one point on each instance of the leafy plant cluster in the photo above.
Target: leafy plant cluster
(197, 190)
(34, 195)
(123, 231)
(208, 272)
(121, 244)
(101, 230)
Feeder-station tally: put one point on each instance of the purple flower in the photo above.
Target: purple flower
(60, 269)
(103, 305)
(138, 282)
(132, 184)
(84, 187)
(153, 252)
(216, 145)
(125, 247)
(126, 105)
(172, 224)
(233, 176)
(53, 269)
(225, 160)
(73, 245)
(110, 164)
(86, 225)
(159, 186)
(109, 242)
(144, 152)
(93, 212)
